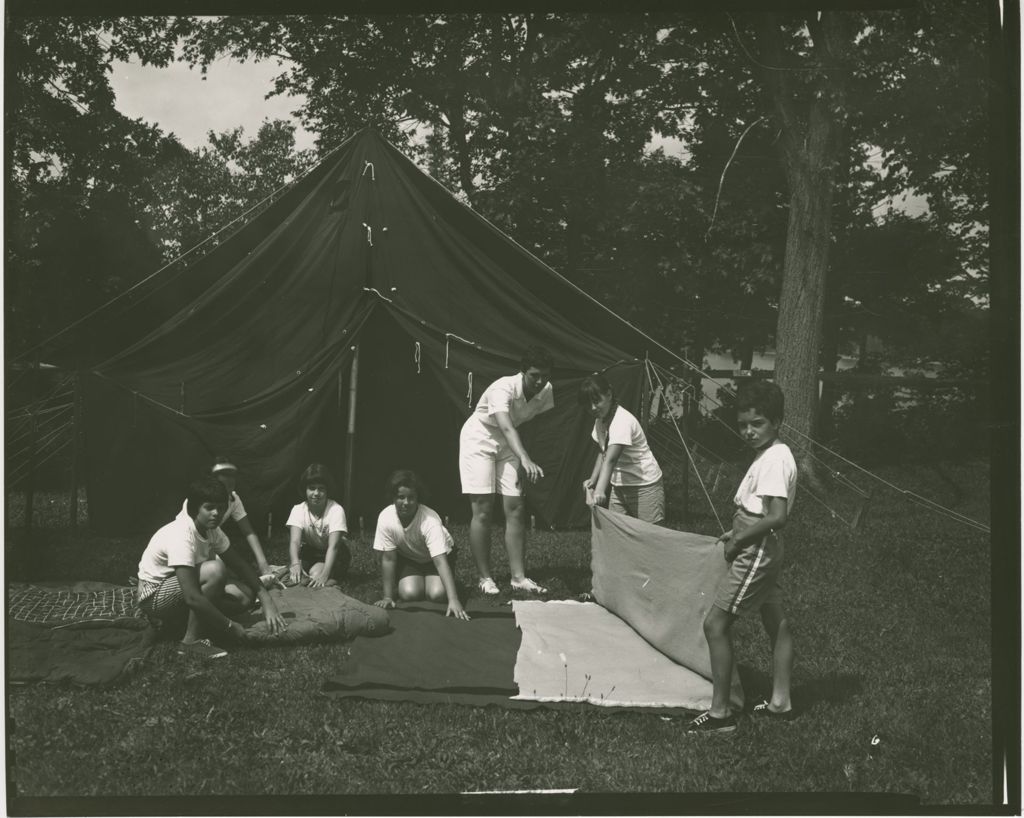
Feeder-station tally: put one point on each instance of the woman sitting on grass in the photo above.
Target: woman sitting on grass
(415, 547)
(318, 532)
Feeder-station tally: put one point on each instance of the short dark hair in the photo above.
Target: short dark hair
(593, 387)
(762, 396)
(538, 357)
(316, 473)
(404, 478)
(205, 490)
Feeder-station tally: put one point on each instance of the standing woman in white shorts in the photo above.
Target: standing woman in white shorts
(492, 461)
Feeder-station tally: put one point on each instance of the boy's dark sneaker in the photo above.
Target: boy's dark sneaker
(201, 649)
(706, 723)
(762, 711)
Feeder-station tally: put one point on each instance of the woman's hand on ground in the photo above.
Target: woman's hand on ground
(318, 579)
(386, 602)
(455, 609)
(275, 622)
(295, 573)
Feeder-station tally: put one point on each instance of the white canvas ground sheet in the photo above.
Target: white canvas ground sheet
(644, 638)
(580, 652)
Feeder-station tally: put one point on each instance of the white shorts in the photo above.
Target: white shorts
(487, 464)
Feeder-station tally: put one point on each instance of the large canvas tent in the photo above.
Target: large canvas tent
(365, 264)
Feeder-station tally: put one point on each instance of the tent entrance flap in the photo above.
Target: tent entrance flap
(406, 420)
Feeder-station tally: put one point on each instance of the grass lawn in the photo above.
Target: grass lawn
(892, 628)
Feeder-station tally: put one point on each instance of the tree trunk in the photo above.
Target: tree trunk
(744, 353)
(810, 144)
(801, 305)
(460, 146)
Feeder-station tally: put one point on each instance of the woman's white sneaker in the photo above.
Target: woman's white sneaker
(528, 585)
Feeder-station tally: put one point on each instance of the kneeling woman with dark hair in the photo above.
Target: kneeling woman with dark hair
(318, 532)
(416, 549)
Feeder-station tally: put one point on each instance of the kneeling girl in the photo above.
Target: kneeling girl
(416, 549)
(318, 532)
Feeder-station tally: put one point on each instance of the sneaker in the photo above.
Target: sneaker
(527, 584)
(763, 711)
(489, 587)
(202, 649)
(706, 723)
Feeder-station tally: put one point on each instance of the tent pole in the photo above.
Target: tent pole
(350, 453)
(684, 511)
(76, 422)
(30, 485)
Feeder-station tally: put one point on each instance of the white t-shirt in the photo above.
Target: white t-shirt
(315, 530)
(423, 539)
(772, 474)
(236, 511)
(506, 395)
(177, 543)
(636, 465)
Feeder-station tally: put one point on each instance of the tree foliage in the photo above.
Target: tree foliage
(97, 201)
(770, 229)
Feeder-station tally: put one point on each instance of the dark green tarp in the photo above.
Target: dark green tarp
(248, 351)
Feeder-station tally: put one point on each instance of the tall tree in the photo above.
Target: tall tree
(803, 69)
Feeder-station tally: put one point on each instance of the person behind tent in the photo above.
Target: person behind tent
(492, 459)
(180, 571)
(416, 549)
(626, 477)
(227, 473)
(318, 532)
(753, 547)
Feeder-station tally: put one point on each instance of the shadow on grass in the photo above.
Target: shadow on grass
(832, 688)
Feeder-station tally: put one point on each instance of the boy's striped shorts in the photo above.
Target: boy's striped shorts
(753, 576)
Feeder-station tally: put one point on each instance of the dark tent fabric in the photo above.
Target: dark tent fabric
(249, 351)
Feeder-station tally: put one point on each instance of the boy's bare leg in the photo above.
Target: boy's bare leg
(718, 630)
(212, 576)
(777, 627)
(480, 532)
(515, 535)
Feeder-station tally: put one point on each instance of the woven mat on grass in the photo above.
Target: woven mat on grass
(87, 633)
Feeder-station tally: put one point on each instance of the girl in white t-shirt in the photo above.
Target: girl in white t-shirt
(318, 532)
(416, 549)
(626, 476)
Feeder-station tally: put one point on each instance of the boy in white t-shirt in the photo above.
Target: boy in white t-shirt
(753, 547)
(179, 571)
(492, 460)
(318, 532)
(416, 548)
(227, 472)
(626, 477)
